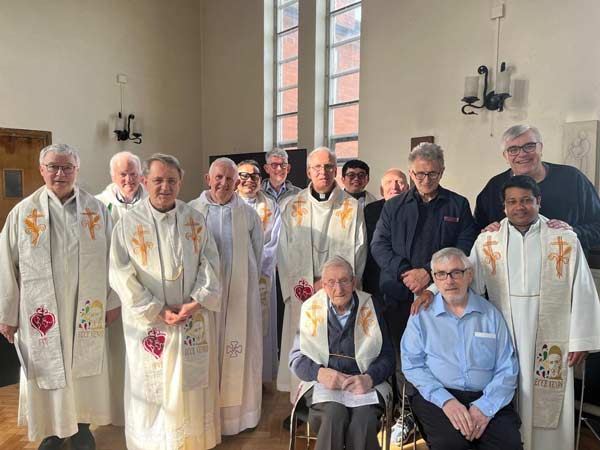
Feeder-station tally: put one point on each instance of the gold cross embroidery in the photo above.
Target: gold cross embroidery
(141, 246)
(264, 217)
(366, 319)
(561, 257)
(299, 211)
(345, 214)
(490, 255)
(194, 233)
(33, 228)
(91, 222)
(315, 317)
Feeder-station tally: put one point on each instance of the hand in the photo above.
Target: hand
(169, 316)
(559, 225)
(494, 226)
(416, 280)
(8, 332)
(187, 310)
(330, 378)
(423, 300)
(575, 358)
(459, 417)
(111, 315)
(358, 384)
(480, 422)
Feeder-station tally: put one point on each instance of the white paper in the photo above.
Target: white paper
(321, 394)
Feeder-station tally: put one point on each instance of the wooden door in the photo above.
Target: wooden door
(19, 177)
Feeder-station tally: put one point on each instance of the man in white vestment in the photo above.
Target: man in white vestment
(164, 266)
(122, 194)
(320, 222)
(53, 254)
(268, 211)
(238, 232)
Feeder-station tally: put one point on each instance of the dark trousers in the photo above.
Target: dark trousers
(338, 427)
(396, 316)
(501, 433)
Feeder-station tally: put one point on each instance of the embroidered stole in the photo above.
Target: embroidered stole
(559, 254)
(40, 329)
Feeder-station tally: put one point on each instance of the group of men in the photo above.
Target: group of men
(202, 297)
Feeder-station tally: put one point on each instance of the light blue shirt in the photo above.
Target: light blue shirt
(271, 190)
(342, 318)
(441, 351)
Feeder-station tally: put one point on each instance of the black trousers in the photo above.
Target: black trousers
(501, 433)
(396, 317)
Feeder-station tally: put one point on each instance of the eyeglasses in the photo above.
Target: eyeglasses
(321, 168)
(276, 166)
(527, 148)
(54, 168)
(431, 175)
(455, 275)
(344, 282)
(245, 176)
(359, 175)
(526, 201)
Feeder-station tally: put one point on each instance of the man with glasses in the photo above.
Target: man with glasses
(459, 356)
(277, 186)
(318, 223)
(355, 177)
(268, 211)
(54, 259)
(570, 199)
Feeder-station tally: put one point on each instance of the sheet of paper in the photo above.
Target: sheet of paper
(321, 394)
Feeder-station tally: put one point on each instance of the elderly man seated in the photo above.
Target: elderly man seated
(342, 352)
(459, 355)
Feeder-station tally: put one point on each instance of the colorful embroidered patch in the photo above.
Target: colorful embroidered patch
(303, 290)
(92, 221)
(42, 320)
(562, 256)
(548, 363)
(194, 234)
(345, 214)
(366, 319)
(299, 211)
(91, 316)
(195, 330)
(264, 216)
(33, 228)
(141, 246)
(490, 255)
(315, 317)
(154, 342)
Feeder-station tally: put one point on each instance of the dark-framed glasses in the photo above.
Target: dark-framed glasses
(360, 175)
(529, 147)
(67, 169)
(245, 176)
(344, 282)
(431, 175)
(454, 274)
(276, 166)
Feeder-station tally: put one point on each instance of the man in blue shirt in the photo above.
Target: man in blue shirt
(459, 355)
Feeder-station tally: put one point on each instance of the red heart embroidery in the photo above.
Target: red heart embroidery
(154, 343)
(42, 320)
(303, 290)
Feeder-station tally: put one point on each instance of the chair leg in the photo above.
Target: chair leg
(580, 408)
(307, 435)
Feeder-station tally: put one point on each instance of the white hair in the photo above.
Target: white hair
(278, 153)
(332, 157)
(226, 162)
(60, 149)
(448, 253)
(517, 130)
(130, 157)
(428, 152)
(337, 261)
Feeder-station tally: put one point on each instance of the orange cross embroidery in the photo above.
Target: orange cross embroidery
(561, 257)
(91, 222)
(366, 319)
(33, 228)
(490, 255)
(345, 214)
(315, 317)
(194, 233)
(141, 246)
(299, 211)
(264, 217)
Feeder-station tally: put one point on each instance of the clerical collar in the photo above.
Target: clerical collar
(358, 195)
(320, 197)
(532, 224)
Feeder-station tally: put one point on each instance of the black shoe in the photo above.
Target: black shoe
(83, 439)
(288, 421)
(51, 443)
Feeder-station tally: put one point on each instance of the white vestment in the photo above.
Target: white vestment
(268, 211)
(311, 232)
(116, 341)
(242, 411)
(171, 379)
(524, 262)
(49, 412)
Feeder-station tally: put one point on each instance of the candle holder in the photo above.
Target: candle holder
(491, 100)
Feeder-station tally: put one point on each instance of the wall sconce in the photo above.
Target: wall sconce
(491, 100)
(127, 131)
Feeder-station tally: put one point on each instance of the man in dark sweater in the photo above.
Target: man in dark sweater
(570, 199)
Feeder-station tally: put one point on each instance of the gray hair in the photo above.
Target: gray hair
(225, 161)
(278, 153)
(60, 149)
(332, 156)
(428, 152)
(517, 130)
(130, 157)
(337, 261)
(249, 162)
(167, 160)
(448, 253)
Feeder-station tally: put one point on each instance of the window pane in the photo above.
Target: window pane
(344, 120)
(288, 17)
(287, 128)
(288, 45)
(288, 101)
(345, 89)
(337, 4)
(347, 149)
(346, 25)
(288, 74)
(345, 57)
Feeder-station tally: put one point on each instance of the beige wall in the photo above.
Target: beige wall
(416, 53)
(58, 66)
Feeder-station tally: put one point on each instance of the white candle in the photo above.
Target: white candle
(503, 82)
(471, 86)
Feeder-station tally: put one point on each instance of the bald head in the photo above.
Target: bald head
(393, 182)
